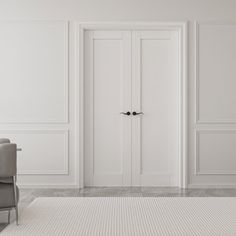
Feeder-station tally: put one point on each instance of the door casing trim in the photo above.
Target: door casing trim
(182, 28)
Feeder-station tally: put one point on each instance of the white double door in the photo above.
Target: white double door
(131, 71)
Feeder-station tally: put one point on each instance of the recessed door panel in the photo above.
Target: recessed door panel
(154, 92)
(108, 136)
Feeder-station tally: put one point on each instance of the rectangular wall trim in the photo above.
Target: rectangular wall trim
(198, 120)
(56, 146)
(198, 134)
(29, 69)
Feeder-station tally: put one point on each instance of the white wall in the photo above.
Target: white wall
(27, 81)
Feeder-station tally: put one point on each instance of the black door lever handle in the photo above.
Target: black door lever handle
(126, 113)
(137, 113)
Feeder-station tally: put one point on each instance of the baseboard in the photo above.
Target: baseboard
(212, 186)
(47, 186)
(75, 186)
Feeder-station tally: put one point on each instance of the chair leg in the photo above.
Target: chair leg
(16, 202)
(17, 217)
(9, 217)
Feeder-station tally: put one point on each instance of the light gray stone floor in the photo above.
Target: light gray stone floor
(28, 195)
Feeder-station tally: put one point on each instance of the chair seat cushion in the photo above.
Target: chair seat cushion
(6, 180)
(7, 195)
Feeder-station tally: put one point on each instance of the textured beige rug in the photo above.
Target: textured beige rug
(127, 216)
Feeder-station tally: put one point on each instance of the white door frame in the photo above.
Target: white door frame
(181, 28)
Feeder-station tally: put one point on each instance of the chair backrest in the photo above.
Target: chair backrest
(4, 140)
(7, 159)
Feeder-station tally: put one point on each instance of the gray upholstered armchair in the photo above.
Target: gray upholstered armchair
(9, 192)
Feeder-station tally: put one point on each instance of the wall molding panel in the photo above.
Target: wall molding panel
(36, 91)
(223, 29)
(212, 151)
(44, 152)
(37, 66)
